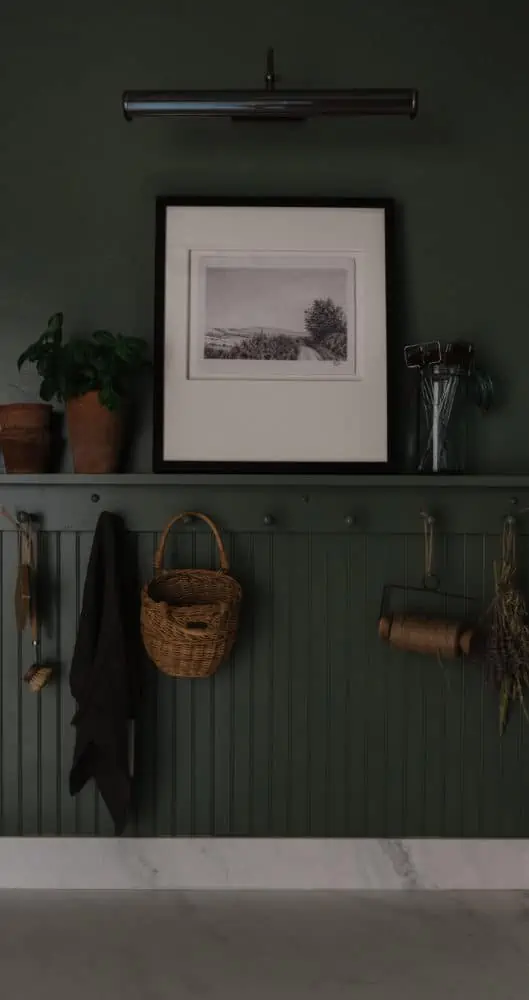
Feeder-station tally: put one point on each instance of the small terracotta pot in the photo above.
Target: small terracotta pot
(35, 416)
(25, 436)
(94, 433)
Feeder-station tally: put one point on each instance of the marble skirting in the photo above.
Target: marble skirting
(182, 863)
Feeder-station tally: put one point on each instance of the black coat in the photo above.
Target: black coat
(103, 677)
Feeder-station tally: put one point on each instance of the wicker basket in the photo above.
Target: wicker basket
(189, 616)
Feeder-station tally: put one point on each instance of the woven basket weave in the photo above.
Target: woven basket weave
(189, 617)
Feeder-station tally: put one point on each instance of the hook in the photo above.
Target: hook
(430, 580)
(429, 518)
(511, 518)
(268, 520)
(187, 519)
(23, 521)
(270, 75)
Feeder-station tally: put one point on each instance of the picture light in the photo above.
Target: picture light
(269, 104)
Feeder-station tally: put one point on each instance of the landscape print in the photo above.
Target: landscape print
(277, 316)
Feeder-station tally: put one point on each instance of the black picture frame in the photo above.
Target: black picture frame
(162, 465)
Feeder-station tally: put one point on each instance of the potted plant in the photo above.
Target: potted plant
(89, 375)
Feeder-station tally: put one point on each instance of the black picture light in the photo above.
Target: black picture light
(269, 104)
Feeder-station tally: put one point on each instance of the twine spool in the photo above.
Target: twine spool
(432, 636)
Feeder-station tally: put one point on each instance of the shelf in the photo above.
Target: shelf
(162, 481)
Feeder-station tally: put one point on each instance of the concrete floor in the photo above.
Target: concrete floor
(255, 946)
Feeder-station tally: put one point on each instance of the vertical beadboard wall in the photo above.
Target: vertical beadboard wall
(314, 728)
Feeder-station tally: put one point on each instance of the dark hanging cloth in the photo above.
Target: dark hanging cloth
(103, 675)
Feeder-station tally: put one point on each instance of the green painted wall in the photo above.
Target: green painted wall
(77, 184)
(313, 728)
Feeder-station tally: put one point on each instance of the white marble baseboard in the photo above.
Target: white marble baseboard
(196, 863)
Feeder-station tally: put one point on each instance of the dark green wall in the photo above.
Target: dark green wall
(77, 184)
(313, 727)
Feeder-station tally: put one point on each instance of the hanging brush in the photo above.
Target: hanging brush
(23, 580)
(26, 586)
(38, 675)
(24, 569)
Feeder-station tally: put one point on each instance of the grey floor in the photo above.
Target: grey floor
(235, 945)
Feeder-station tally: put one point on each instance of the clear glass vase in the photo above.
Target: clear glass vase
(442, 435)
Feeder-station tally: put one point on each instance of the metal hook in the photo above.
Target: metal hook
(431, 580)
(510, 519)
(429, 518)
(270, 76)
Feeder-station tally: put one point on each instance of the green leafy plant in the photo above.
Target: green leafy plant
(101, 362)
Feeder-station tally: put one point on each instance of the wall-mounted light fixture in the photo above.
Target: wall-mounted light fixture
(268, 104)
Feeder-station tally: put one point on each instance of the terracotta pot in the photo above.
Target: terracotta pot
(25, 436)
(94, 433)
(36, 416)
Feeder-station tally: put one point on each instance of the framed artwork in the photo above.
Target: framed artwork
(271, 327)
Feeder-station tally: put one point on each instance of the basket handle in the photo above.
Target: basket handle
(223, 559)
(200, 629)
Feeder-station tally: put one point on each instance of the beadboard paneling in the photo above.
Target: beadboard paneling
(314, 727)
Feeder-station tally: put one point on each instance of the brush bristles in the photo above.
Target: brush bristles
(37, 677)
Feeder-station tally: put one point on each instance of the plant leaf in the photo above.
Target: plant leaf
(109, 397)
(48, 390)
(104, 338)
(55, 323)
(23, 358)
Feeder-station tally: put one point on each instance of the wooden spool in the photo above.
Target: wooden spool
(431, 636)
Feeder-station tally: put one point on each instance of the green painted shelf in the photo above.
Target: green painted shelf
(380, 481)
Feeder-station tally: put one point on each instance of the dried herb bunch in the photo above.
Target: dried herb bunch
(507, 641)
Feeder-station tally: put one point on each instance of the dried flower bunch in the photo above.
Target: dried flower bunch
(507, 636)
